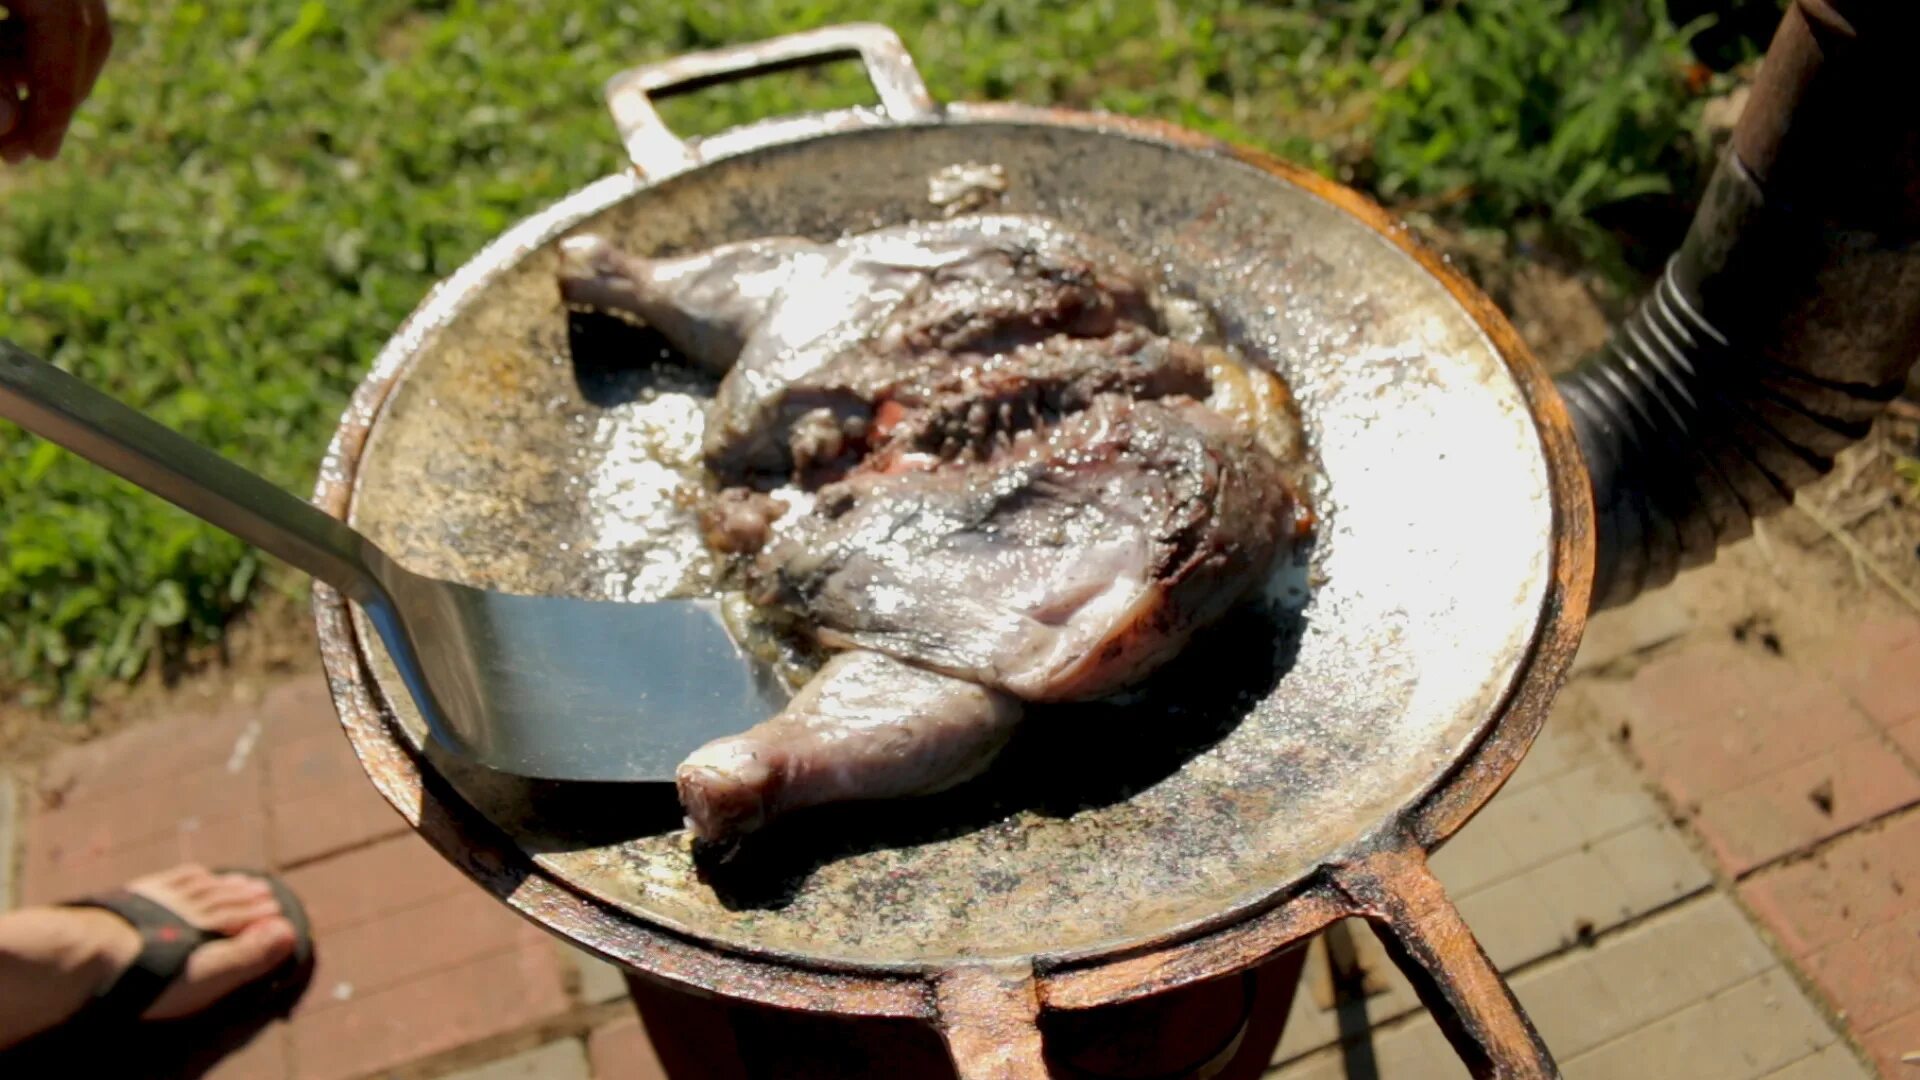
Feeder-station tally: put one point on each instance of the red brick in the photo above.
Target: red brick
(139, 756)
(1907, 738)
(1744, 742)
(264, 1057)
(1689, 715)
(312, 765)
(1873, 977)
(77, 834)
(162, 792)
(92, 828)
(237, 842)
(321, 800)
(193, 737)
(620, 1051)
(1880, 668)
(1866, 879)
(1877, 635)
(1891, 690)
(1890, 1044)
(371, 956)
(297, 709)
(330, 822)
(428, 1015)
(360, 885)
(1678, 690)
(1778, 815)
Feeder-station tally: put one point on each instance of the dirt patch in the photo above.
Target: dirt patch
(273, 641)
(400, 38)
(1809, 576)
(1558, 315)
(1861, 525)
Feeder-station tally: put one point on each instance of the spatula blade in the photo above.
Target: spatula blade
(558, 688)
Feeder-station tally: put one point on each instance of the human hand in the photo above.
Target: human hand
(51, 51)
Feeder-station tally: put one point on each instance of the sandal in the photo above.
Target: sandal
(167, 941)
(107, 1037)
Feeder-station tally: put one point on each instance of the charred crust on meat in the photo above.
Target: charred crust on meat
(1022, 489)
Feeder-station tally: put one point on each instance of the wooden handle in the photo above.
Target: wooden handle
(1425, 935)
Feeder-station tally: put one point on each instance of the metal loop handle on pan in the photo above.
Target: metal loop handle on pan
(656, 151)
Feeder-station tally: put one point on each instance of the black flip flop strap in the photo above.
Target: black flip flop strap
(166, 941)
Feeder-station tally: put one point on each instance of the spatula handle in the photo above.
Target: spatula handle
(61, 409)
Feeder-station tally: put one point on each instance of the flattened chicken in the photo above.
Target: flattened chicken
(1024, 489)
(964, 411)
(1066, 567)
(815, 337)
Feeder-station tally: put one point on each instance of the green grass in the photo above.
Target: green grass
(1908, 470)
(259, 192)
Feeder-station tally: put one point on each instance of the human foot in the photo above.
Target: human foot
(232, 928)
(256, 935)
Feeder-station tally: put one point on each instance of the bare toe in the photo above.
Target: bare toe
(205, 899)
(232, 916)
(218, 968)
(235, 888)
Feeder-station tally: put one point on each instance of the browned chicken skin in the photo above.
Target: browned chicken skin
(1065, 567)
(814, 337)
(866, 727)
(1019, 495)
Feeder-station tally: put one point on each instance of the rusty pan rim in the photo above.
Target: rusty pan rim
(1234, 941)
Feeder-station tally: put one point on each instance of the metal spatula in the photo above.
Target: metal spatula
(549, 687)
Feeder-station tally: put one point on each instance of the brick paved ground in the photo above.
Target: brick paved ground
(1690, 992)
(1803, 775)
(1713, 870)
(414, 962)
